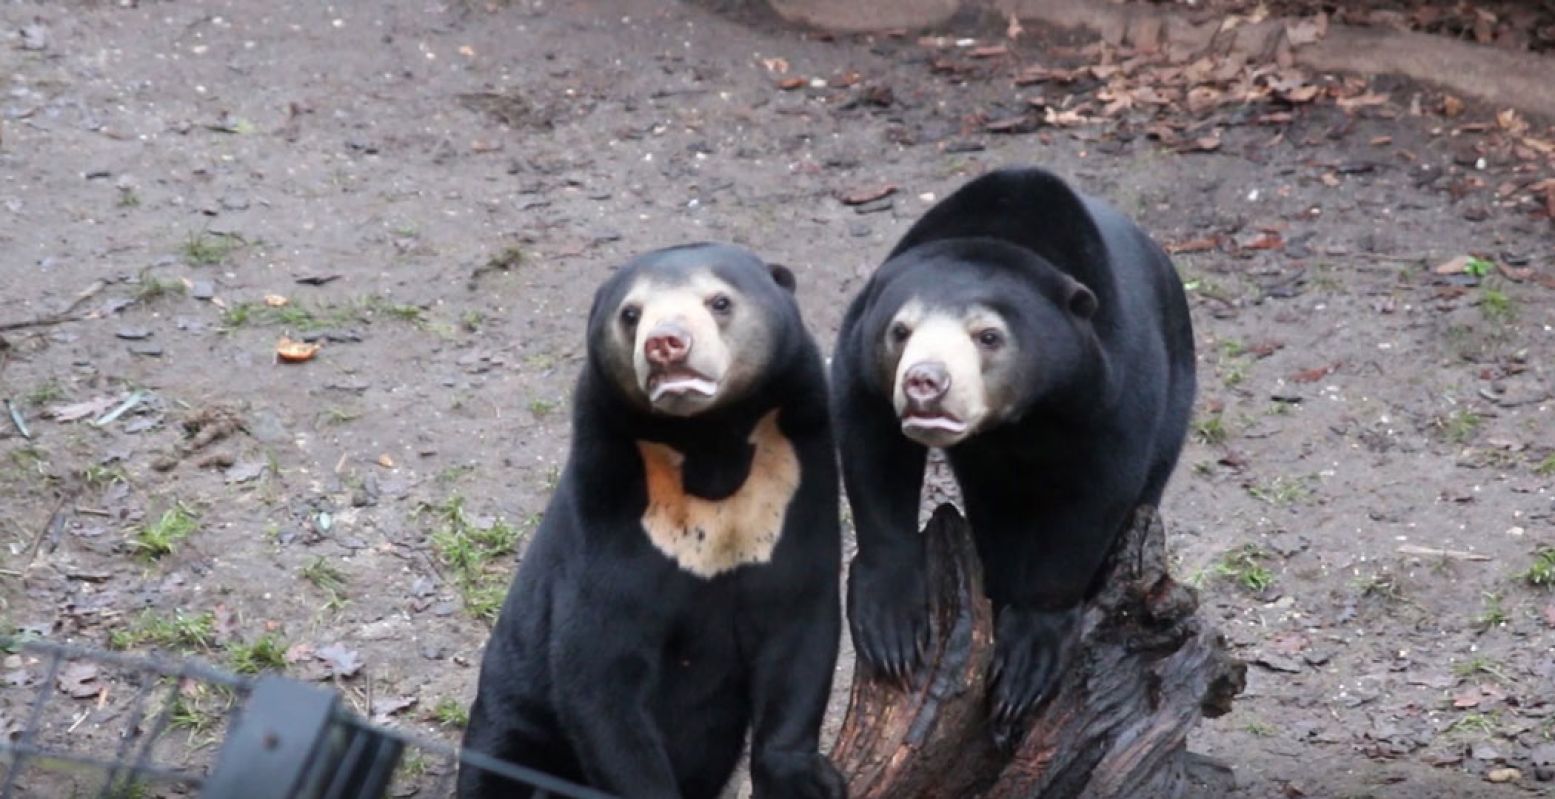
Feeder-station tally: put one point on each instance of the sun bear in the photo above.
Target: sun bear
(1043, 341)
(683, 585)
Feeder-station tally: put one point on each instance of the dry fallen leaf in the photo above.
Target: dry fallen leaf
(78, 680)
(385, 706)
(1013, 124)
(1266, 240)
(1361, 101)
(275, 300)
(1468, 697)
(1516, 274)
(1454, 266)
(789, 84)
(342, 662)
(385, 461)
(290, 351)
(990, 51)
(1193, 245)
(1264, 349)
(1014, 29)
(846, 79)
(1545, 147)
(1306, 31)
(867, 195)
(1451, 106)
(1510, 122)
(776, 65)
(1314, 374)
(80, 410)
(1065, 119)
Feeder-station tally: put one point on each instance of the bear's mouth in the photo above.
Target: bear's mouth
(679, 382)
(933, 423)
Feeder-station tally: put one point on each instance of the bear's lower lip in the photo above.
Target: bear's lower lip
(680, 384)
(949, 424)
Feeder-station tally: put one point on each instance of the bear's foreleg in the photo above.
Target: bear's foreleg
(603, 673)
(790, 684)
(882, 470)
(1038, 567)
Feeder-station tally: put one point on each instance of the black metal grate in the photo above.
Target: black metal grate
(118, 726)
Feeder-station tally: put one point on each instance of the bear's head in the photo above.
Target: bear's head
(967, 334)
(685, 330)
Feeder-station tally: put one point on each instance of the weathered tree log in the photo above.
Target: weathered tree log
(1146, 669)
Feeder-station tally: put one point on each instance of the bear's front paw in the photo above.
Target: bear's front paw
(888, 614)
(1031, 648)
(796, 776)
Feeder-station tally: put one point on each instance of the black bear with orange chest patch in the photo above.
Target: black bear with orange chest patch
(1043, 341)
(682, 588)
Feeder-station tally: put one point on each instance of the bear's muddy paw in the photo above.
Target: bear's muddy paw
(1030, 649)
(798, 776)
(888, 614)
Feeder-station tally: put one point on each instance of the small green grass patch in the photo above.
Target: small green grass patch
(179, 632)
(158, 539)
(476, 555)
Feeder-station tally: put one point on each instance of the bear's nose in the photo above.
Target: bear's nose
(926, 381)
(667, 344)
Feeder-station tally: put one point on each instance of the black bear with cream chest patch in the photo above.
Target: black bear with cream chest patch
(683, 585)
(1043, 341)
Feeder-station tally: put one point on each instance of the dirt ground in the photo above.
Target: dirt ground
(435, 189)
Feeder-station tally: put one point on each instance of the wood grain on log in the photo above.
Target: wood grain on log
(1146, 669)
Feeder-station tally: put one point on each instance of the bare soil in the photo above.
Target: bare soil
(436, 188)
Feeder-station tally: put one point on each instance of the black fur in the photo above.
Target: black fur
(613, 667)
(1104, 402)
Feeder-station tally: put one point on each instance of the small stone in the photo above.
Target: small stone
(35, 37)
(266, 427)
(1503, 775)
(133, 333)
(1277, 662)
(202, 290)
(858, 230)
(163, 463)
(148, 350)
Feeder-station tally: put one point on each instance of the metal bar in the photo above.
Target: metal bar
(164, 717)
(30, 732)
(485, 762)
(163, 774)
(136, 715)
(147, 662)
(445, 784)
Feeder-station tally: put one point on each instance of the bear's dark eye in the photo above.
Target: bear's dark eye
(990, 339)
(899, 332)
(720, 303)
(630, 314)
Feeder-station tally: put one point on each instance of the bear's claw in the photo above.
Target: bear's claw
(1031, 648)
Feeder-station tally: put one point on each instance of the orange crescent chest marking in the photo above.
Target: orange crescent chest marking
(707, 537)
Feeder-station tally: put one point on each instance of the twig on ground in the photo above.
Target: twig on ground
(63, 316)
(1433, 552)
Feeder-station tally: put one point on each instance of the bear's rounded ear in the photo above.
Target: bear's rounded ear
(782, 275)
(1082, 302)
